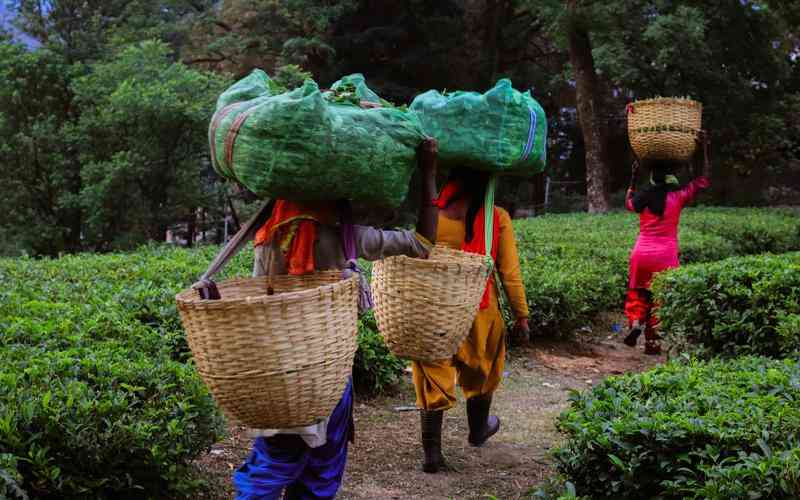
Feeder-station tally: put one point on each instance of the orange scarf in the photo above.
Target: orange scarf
(449, 193)
(295, 227)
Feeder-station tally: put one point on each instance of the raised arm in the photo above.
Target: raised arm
(375, 244)
(428, 216)
(632, 185)
(702, 164)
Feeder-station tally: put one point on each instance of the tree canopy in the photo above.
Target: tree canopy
(103, 127)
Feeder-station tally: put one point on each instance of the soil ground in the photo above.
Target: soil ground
(384, 462)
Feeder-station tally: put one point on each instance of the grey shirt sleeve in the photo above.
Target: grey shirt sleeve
(376, 244)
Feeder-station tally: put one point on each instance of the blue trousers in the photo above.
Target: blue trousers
(286, 462)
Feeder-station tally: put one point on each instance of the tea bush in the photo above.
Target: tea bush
(688, 429)
(743, 305)
(96, 395)
(575, 266)
(375, 369)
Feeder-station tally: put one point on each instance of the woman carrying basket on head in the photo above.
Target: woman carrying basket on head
(478, 365)
(300, 238)
(659, 207)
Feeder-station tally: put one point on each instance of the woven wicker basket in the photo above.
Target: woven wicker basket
(425, 307)
(664, 128)
(275, 361)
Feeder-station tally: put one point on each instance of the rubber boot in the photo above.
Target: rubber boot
(431, 424)
(633, 336)
(482, 426)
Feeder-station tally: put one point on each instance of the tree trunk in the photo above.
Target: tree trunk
(580, 55)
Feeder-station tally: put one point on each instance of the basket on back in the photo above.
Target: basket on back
(425, 307)
(664, 128)
(275, 361)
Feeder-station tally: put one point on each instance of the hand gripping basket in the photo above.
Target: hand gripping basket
(425, 307)
(275, 361)
(664, 128)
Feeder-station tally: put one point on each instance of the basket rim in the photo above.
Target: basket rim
(668, 100)
(190, 298)
(440, 303)
(273, 373)
(650, 130)
(480, 262)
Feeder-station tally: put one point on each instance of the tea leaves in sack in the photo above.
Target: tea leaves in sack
(503, 131)
(306, 144)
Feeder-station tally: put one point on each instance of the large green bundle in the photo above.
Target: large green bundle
(502, 131)
(306, 144)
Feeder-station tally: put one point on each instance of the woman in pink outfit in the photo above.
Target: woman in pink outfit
(659, 207)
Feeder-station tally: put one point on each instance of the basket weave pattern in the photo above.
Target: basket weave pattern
(275, 361)
(664, 128)
(425, 307)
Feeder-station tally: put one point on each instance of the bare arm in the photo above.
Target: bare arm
(632, 185)
(703, 159)
(428, 217)
(634, 175)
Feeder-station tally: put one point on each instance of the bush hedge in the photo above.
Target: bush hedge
(97, 397)
(688, 429)
(97, 392)
(575, 266)
(743, 305)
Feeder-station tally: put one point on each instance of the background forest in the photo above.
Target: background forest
(104, 104)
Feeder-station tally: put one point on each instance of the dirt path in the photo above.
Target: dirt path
(385, 460)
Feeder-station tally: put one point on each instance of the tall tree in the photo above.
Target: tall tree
(589, 109)
(40, 169)
(143, 146)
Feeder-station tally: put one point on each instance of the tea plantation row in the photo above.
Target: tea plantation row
(575, 266)
(97, 397)
(717, 422)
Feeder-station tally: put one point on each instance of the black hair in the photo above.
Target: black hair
(654, 197)
(472, 187)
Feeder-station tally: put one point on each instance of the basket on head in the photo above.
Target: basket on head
(275, 361)
(664, 128)
(425, 307)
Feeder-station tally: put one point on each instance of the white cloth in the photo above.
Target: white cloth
(315, 435)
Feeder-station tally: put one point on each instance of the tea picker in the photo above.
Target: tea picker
(665, 135)
(276, 350)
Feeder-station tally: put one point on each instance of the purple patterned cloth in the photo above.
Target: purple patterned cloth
(351, 266)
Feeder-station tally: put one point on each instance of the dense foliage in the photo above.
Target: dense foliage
(375, 369)
(97, 391)
(688, 429)
(94, 365)
(576, 266)
(95, 394)
(745, 305)
(103, 130)
(101, 159)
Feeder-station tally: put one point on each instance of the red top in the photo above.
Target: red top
(656, 248)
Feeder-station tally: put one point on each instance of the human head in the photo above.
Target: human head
(661, 170)
(470, 185)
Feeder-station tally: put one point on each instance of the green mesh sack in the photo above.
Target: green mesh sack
(311, 145)
(358, 85)
(502, 131)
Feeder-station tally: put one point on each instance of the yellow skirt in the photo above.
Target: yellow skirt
(478, 364)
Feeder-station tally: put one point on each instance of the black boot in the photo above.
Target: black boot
(431, 423)
(633, 335)
(482, 426)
